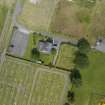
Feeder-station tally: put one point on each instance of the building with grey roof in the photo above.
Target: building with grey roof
(45, 47)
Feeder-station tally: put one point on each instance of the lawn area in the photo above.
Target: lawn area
(8, 3)
(66, 56)
(3, 13)
(33, 43)
(84, 19)
(93, 80)
(24, 83)
(38, 16)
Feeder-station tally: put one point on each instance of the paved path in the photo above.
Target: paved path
(57, 53)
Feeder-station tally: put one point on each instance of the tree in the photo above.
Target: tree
(66, 103)
(49, 39)
(75, 78)
(71, 96)
(81, 60)
(35, 54)
(84, 46)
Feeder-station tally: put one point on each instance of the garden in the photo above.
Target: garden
(66, 56)
(40, 49)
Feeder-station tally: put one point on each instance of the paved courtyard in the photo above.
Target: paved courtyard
(18, 43)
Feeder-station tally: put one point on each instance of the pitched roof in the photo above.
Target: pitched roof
(44, 46)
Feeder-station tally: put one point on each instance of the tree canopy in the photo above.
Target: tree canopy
(84, 46)
(81, 60)
(35, 54)
(75, 77)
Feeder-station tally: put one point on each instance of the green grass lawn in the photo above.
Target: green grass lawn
(24, 83)
(33, 43)
(3, 12)
(66, 56)
(8, 3)
(93, 78)
(38, 16)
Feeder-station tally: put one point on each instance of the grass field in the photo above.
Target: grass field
(93, 79)
(66, 56)
(84, 19)
(3, 13)
(8, 3)
(97, 99)
(38, 16)
(23, 83)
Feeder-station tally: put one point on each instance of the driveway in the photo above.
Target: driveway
(18, 43)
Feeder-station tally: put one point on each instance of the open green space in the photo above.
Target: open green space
(84, 19)
(97, 99)
(33, 43)
(24, 83)
(37, 16)
(8, 3)
(3, 13)
(66, 56)
(93, 78)
(6, 33)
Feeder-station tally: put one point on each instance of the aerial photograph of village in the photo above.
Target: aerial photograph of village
(52, 52)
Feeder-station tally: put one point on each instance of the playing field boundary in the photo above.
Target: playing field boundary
(52, 66)
(39, 73)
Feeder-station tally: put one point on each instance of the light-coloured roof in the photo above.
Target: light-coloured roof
(44, 46)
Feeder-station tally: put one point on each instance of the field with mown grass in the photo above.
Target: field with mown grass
(3, 13)
(37, 16)
(93, 81)
(24, 83)
(8, 3)
(79, 18)
(66, 56)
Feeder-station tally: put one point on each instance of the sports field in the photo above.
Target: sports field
(93, 81)
(37, 16)
(66, 56)
(23, 83)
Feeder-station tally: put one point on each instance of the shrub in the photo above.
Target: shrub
(35, 54)
(75, 78)
(71, 96)
(81, 60)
